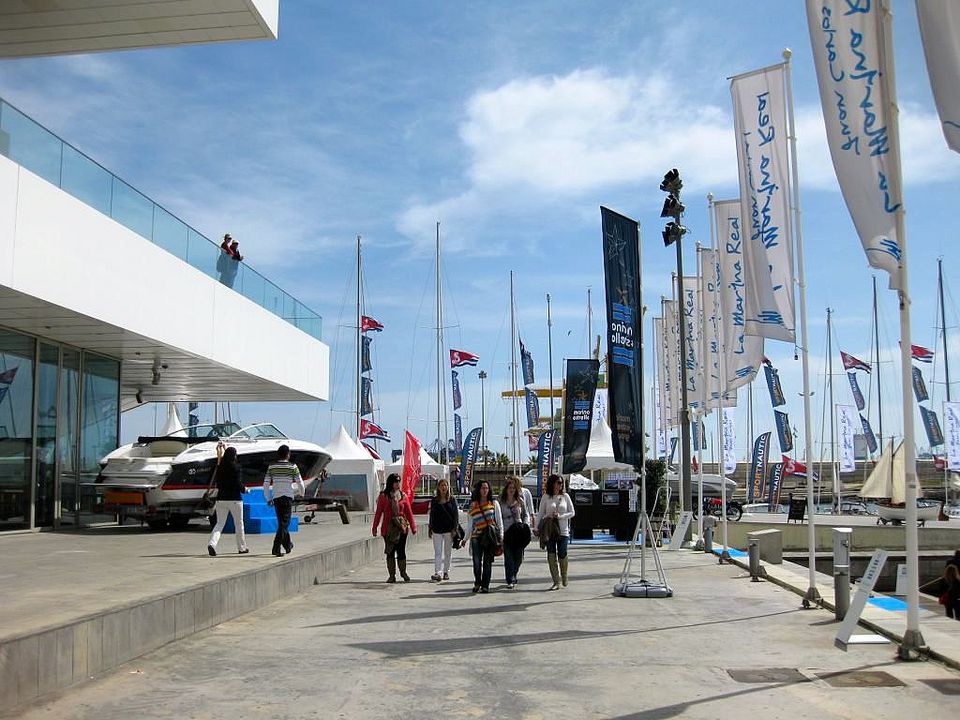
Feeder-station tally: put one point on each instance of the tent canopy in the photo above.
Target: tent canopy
(600, 450)
(428, 466)
(344, 447)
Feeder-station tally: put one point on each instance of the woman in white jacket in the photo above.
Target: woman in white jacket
(556, 505)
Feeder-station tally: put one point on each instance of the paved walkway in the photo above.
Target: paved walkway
(722, 647)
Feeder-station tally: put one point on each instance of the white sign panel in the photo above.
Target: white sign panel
(729, 443)
(683, 524)
(940, 28)
(847, 423)
(951, 434)
(867, 582)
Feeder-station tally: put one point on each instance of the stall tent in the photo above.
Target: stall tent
(428, 466)
(353, 474)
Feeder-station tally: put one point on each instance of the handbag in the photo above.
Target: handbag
(457, 536)
(518, 535)
(490, 538)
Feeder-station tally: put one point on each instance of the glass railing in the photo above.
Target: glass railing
(31, 145)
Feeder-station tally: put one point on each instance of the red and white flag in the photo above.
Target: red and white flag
(458, 358)
(372, 431)
(411, 464)
(368, 323)
(794, 467)
(852, 363)
(373, 453)
(917, 352)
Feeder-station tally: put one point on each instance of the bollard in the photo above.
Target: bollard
(841, 591)
(754, 551)
(708, 540)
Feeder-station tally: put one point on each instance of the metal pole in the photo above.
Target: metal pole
(876, 340)
(833, 453)
(701, 411)
(439, 355)
(686, 486)
(721, 430)
(513, 375)
(359, 336)
(812, 594)
(550, 363)
(483, 423)
(946, 366)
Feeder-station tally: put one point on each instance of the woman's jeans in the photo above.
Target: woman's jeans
(482, 564)
(558, 546)
(512, 559)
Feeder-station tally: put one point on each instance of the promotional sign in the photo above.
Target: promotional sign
(763, 158)
(742, 353)
(773, 385)
(868, 434)
(365, 364)
(919, 386)
(939, 30)
(455, 384)
(366, 396)
(600, 406)
(855, 75)
(577, 412)
(758, 468)
(546, 452)
(932, 425)
(532, 404)
(784, 434)
(855, 389)
(457, 434)
(690, 307)
(864, 591)
(683, 524)
(621, 265)
(468, 458)
(526, 365)
(846, 429)
(662, 376)
(729, 443)
(776, 477)
(951, 420)
(671, 376)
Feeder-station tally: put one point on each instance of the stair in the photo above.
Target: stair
(258, 517)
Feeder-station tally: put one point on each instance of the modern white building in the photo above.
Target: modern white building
(87, 267)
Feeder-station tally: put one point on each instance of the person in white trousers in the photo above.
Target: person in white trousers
(230, 490)
(444, 518)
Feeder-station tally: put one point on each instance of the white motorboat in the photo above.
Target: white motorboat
(711, 484)
(885, 486)
(161, 480)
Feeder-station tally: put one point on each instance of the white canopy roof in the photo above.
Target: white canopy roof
(343, 447)
(600, 450)
(428, 466)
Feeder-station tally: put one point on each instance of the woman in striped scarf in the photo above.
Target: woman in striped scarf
(484, 514)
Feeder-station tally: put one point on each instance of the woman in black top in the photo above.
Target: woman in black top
(444, 518)
(230, 489)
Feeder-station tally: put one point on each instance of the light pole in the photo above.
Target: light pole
(483, 430)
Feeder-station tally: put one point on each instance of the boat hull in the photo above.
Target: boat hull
(897, 514)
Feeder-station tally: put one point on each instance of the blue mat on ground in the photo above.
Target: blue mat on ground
(888, 603)
(600, 539)
(258, 517)
(732, 552)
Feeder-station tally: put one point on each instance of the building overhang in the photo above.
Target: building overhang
(57, 27)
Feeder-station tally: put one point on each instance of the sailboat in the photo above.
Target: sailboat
(886, 487)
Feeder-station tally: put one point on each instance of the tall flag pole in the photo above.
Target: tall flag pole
(853, 53)
(550, 363)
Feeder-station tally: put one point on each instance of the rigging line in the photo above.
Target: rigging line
(413, 350)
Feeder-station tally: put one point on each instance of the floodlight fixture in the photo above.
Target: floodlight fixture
(672, 182)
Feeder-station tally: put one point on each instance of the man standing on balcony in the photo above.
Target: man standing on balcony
(281, 485)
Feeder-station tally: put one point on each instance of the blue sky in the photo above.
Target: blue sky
(510, 125)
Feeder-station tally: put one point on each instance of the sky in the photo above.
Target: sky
(511, 126)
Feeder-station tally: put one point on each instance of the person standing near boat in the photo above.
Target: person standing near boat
(230, 490)
(394, 519)
(516, 529)
(444, 518)
(485, 534)
(281, 485)
(553, 523)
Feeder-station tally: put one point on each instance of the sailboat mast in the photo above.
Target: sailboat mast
(589, 323)
(943, 325)
(550, 362)
(833, 432)
(359, 365)
(876, 365)
(439, 354)
(513, 380)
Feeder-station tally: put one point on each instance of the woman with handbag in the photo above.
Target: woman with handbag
(229, 490)
(516, 530)
(444, 522)
(394, 519)
(556, 508)
(486, 537)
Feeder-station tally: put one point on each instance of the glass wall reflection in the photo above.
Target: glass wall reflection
(16, 428)
(99, 425)
(68, 445)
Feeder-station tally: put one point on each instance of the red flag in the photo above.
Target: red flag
(462, 357)
(694, 465)
(411, 465)
(852, 363)
(917, 352)
(373, 431)
(368, 323)
(792, 467)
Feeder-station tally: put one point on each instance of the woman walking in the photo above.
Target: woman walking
(516, 528)
(553, 524)
(444, 519)
(394, 519)
(230, 490)
(485, 534)
(950, 599)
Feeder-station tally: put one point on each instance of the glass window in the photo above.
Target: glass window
(31, 145)
(67, 436)
(16, 426)
(204, 255)
(85, 180)
(132, 209)
(99, 416)
(169, 232)
(253, 284)
(46, 435)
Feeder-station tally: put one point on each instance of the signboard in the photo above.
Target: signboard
(845, 633)
(798, 506)
(680, 533)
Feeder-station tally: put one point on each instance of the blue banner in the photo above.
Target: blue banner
(758, 468)
(366, 396)
(773, 384)
(855, 389)
(471, 449)
(776, 475)
(919, 386)
(868, 434)
(455, 380)
(365, 365)
(533, 407)
(578, 412)
(932, 425)
(457, 434)
(526, 365)
(673, 449)
(546, 457)
(699, 436)
(783, 431)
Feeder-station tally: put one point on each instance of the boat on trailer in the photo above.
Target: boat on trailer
(885, 487)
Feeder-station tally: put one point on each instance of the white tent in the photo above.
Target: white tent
(600, 450)
(353, 474)
(428, 466)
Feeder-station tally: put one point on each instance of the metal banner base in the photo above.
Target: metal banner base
(640, 587)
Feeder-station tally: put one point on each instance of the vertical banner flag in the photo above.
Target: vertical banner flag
(411, 465)
(853, 73)
(545, 454)
(690, 306)
(457, 433)
(741, 352)
(776, 476)
(919, 386)
(365, 364)
(729, 443)
(671, 329)
(455, 381)
(526, 365)
(715, 390)
(855, 389)
(600, 406)
(468, 457)
(660, 358)
(846, 429)
(621, 265)
(533, 407)
(773, 384)
(932, 425)
(758, 468)
(763, 157)
(699, 431)
(674, 441)
(577, 412)
(951, 419)
(868, 434)
(783, 431)
(366, 396)
(939, 30)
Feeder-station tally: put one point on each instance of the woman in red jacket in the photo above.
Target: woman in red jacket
(394, 519)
